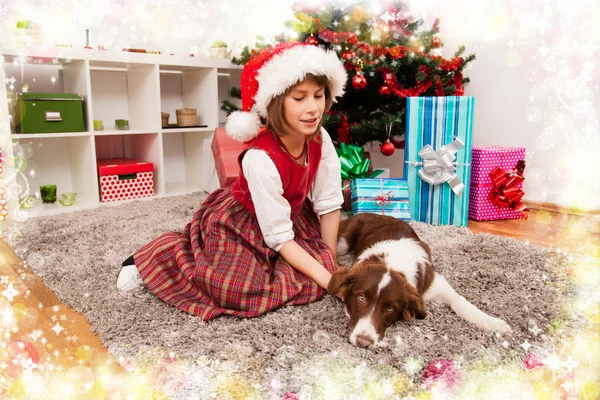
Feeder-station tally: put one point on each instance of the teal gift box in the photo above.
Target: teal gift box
(439, 133)
(385, 196)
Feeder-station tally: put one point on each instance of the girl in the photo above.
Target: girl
(270, 239)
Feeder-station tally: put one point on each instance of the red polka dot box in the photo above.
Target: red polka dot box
(484, 160)
(122, 179)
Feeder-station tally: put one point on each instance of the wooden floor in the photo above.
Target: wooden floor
(63, 336)
(567, 232)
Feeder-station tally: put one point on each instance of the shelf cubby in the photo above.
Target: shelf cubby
(44, 75)
(144, 147)
(125, 91)
(183, 161)
(189, 87)
(67, 162)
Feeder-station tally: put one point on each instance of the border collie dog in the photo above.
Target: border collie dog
(391, 279)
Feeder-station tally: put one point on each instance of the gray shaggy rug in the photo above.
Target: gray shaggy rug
(301, 349)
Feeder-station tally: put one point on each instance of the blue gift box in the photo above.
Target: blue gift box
(385, 196)
(439, 132)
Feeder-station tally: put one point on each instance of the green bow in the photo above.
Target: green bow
(354, 163)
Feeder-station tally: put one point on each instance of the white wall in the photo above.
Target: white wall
(535, 78)
(179, 26)
(535, 81)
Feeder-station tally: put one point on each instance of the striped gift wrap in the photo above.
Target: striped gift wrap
(437, 122)
(385, 196)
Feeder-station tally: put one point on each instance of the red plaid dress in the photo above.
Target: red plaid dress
(220, 264)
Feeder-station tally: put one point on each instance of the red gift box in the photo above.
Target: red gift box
(484, 160)
(225, 151)
(3, 207)
(347, 205)
(122, 179)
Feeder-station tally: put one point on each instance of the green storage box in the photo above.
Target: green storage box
(51, 112)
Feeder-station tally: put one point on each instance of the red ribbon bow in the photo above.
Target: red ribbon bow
(505, 193)
(383, 199)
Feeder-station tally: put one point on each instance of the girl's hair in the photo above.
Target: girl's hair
(276, 115)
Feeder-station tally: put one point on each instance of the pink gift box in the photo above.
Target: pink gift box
(482, 209)
(484, 160)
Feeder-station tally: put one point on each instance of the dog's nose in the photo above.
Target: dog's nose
(364, 341)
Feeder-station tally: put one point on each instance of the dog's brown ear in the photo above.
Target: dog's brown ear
(340, 283)
(414, 306)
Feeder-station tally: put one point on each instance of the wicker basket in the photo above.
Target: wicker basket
(165, 119)
(186, 117)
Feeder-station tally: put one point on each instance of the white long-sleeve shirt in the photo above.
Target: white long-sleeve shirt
(272, 209)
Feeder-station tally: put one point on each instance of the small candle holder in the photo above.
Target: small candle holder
(98, 125)
(27, 202)
(68, 199)
(48, 193)
(121, 124)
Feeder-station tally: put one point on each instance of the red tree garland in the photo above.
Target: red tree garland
(392, 81)
(439, 88)
(344, 135)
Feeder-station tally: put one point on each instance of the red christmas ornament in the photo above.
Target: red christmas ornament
(348, 66)
(396, 52)
(444, 374)
(348, 55)
(359, 82)
(532, 361)
(312, 40)
(385, 90)
(388, 148)
(436, 42)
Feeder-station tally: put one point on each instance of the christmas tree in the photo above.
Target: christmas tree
(388, 55)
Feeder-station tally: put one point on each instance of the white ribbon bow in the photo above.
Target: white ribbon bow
(439, 166)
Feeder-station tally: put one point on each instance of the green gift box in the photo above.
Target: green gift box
(50, 112)
(355, 162)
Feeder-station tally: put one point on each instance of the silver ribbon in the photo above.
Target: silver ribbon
(438, 166)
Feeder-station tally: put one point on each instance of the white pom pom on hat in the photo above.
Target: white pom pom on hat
(271, 73)
(242, 126)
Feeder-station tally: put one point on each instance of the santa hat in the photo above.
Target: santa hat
(271, 73)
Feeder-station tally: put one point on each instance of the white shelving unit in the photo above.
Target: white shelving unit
(113, 86)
